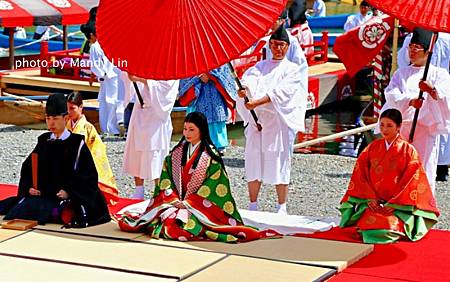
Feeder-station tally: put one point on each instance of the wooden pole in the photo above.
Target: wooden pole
(335, 136)
(395, 47)
(11, 48)
(65, 38)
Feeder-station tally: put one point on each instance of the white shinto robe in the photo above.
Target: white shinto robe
(440, 58)
(150, 129)
(434, 116)
(268, 153)
(110, 98)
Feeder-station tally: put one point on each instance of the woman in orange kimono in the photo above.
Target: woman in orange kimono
(389, 196)
(193, 200)
(78, 123)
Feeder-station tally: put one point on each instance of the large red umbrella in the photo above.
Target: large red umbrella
(432, 15)
(174, 39)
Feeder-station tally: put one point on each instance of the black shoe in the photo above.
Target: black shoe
(442, 173)
(442, 178)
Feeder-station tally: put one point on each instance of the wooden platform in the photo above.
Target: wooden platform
(31, 78)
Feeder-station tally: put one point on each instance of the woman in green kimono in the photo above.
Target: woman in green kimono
(193, 200)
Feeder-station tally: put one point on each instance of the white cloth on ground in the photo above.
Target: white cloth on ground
(284, 224)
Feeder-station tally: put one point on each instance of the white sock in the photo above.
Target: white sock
(253, 206)
(282, 208)
(138, 193)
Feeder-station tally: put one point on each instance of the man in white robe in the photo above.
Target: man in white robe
(360, 18)
(272, 87)
(434, 116)
(149, 131)
(440, 58)
(110, 98)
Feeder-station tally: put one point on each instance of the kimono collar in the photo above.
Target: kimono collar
(393, 141)
(63, 136)
(192, 148)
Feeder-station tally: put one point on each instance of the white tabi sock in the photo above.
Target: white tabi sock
(282, 209)
(138, 193)
(253, 206)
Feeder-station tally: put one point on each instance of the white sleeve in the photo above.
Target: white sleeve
(160, 96)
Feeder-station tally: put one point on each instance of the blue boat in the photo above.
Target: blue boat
(53, 45)
(335, 21)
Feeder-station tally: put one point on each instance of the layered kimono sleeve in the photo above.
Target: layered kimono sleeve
(360, 190)
(188, 90)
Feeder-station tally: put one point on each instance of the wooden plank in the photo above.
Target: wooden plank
(25, 92)
(325, 68)
(50, 83)
(333, 254)
(105, 253)
(35, 270)
(243, 269)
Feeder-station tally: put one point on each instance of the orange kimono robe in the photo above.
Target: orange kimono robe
(396, 179)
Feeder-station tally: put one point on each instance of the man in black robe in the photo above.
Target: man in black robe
(66, 178)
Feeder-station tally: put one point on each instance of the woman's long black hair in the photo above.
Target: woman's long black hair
(199, 120)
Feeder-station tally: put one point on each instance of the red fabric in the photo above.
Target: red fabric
(177, 42)
(73, 14)
(226, 96)
(13, 15)
(424, 260)
(429, 14)
(187, 99)
(357, 47)
(7, 190)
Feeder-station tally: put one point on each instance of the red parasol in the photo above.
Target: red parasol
(429, 14)
(432, 15)
(178, 39)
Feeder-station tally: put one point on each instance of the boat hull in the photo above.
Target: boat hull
(53, 45)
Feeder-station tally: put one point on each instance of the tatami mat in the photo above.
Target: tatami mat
(118, 255)
(107, 230)
(317, 252)
(242, 269)
(6, 234)
(42, 271)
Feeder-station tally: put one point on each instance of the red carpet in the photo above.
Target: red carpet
(425, 260)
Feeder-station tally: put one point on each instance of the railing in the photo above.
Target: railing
(66, 64)
(318, 56)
